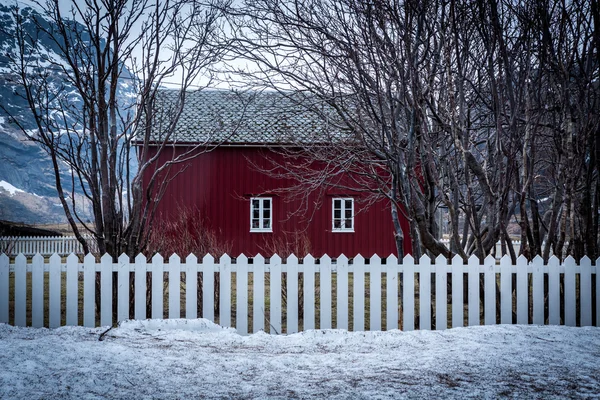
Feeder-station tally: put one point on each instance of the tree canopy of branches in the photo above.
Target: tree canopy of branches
(99, 138)
(486, 109)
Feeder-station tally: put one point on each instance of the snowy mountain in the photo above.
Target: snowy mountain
(27, 182)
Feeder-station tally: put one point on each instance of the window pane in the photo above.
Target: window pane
(348, 204)
(348, 224)
(337, 214)
(266, 213)
(266, 223)
(266, 203)
(337, 204)
(256, 214)
(255, 204)
(337, 224)
(348, 213)
(255, 224)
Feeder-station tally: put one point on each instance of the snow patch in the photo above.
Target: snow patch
(10, 188)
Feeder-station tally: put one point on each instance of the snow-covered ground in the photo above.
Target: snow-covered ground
(197, 359)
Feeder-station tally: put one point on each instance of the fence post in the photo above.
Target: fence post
(292, 294)
(37, 291)
(208, 287)
(325, 291)
(359, 294)
(106, 297)
(174, 286)
(55, 291)
(140, 281)
(522, 292)
(275, 311)
(258, 305)
(441, 293)
(72, 290)
(123, 288)
(225, 291)
(425, 292)
(569, 288)
(457, 292)
(505, 290)
(157, 287)
(473, 291)
(89, 291)
(191, 287)
(585, 291)
(4, 269)
(20, 290)
(553, 291)
(375, 293)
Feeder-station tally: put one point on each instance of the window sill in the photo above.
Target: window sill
(261, 230)
(342, 231)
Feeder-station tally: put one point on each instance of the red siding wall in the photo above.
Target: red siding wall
(219, 185)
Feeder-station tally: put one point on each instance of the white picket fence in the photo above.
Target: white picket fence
(327, 285)
(44, 245)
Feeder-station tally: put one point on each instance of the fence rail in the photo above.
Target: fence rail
(257, 294)
(44, 245)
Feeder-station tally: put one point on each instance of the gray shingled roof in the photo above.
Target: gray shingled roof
(216, 116)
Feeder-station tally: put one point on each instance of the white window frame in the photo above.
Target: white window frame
(342, 218)
(261, 217)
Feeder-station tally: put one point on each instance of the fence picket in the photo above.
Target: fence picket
(275, 310)
(408, 298)
(54, 291)
(174, 286)
(359, 293)
(489, 313)
(375, 293)
(309, 293)
(569, 288)
(441, 293)
(258, 304)
(538, 290)
(473, 291)
(391, 273)
(585, 291)
(241, 301)
(425, 293)
(157, 286)
(225, 291)
(191, 287)
(141, 275)
(37, 291)
(292, 294)
(72, 290)
(342, 293)
(89, 291)
(458, 309)
(4, 295)
(522, 291)
(325, 293)
(553, 291)
(576, 310)
(505, 290)
(20, 290)
(598, 291)
(106, 297)
(123, 288)
(208, 287)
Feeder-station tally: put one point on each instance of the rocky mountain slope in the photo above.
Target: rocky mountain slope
(27, 182)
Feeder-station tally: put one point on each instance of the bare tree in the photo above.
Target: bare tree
(103, 142)
(483, 108)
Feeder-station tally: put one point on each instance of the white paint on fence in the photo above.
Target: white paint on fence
(568, 300)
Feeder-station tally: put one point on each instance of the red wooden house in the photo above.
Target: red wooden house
(244, 206)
